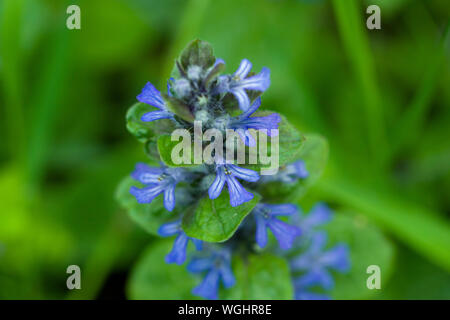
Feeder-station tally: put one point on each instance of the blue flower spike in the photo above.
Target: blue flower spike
(156, 181)
(266, 217)
(228, 173)
(178, 253)
(202, 92)
(217, 267)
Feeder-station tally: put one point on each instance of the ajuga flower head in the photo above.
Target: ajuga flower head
(211, 189)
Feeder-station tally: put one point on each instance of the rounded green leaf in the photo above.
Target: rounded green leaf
(260, 277)
(153, 279)
(149, 216)
(216, 220)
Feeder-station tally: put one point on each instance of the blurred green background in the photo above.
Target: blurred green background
(381, 97)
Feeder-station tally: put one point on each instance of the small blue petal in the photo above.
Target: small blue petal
(244, 174)
(227, 276)
(197, 265)
(269, 123)
(286, 209)
(197, 243)
(337, 258)
(318, 242)
(244, 68)
(216, 187)
(253, 107)
(156, 115)
(238, 194)
(147, 194)
(246, 137)
(151, 96)
(209, 287)
(178, 253)
(260, 81)
(169, 197)
(241, 97)
(319, 214)
(261, 231)
(146, 174)
(169, 229)
(307, 280)
(283, 232)
(300, 169)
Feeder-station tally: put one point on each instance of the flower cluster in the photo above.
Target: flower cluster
(193, 195)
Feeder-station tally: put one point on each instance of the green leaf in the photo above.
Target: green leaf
(314, 153)
(216, 220)
(165, 147)
(199, 53)
(153, 279)
(260, 277)
(144, 131)
(149, 216)
(368, 246)
(179, 108)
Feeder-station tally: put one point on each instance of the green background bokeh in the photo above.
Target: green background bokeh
(381, 97)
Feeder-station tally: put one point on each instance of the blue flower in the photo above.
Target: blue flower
(228, 173)
(244, 122)
(157, 181)
(238, 83)
(319, 215)
(266, 217)
(302, 285)
(218, 268)
(315, 262)
(150, 95)
(178, 253)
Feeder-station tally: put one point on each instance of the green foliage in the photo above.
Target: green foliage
(260, 277)
(152, 279)
(149, 216)
(215, 220)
